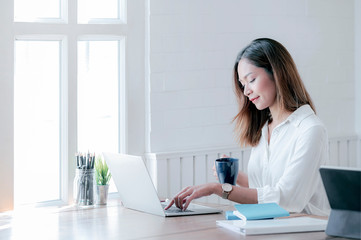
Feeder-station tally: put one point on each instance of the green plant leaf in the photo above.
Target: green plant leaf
(102, 173)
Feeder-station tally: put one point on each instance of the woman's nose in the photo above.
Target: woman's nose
(246, 90)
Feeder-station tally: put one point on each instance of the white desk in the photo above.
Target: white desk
(116, 222)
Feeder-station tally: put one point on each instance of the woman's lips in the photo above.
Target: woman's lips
(254, 99)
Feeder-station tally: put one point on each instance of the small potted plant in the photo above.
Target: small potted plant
(102, 177)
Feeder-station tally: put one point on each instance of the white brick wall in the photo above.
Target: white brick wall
(193, 45)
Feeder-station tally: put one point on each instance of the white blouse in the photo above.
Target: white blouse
(286, 170)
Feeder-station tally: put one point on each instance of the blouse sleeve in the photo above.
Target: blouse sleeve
(301, 176)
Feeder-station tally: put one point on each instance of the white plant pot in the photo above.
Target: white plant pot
(102, 194)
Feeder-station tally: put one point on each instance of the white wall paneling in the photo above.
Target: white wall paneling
(173, 171)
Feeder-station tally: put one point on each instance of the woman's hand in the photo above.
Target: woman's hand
(215, 172)
(184, 197)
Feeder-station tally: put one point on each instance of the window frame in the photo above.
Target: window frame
(122, 16)
(63, 16)
(135, 86)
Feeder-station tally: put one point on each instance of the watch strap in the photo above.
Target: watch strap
(225, 194)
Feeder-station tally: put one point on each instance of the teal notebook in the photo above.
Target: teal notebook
(257, 211)
(230, 216)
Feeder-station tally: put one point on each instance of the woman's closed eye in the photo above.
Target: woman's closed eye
(242, 86)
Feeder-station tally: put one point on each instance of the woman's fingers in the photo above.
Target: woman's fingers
(170, 204)
(184, 198)
(215, 171)
(188, 201)
(179, 199)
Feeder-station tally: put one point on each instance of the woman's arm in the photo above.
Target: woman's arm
(242, 180)
(238, 194)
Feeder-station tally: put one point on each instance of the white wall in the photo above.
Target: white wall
(192, 48)
(358, 75)
(358, 67)
(6, 111)
(135, 77)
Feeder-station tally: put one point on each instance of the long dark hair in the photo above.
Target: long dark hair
(290, 90)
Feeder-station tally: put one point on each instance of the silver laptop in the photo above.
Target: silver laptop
(137, 191)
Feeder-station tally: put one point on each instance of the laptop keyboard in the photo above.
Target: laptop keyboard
(174, 209)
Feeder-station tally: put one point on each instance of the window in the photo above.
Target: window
(98, 94)
(29, 11)
(99, 91)
(37, 120)
(58, 34)
(95, 11)
(69, 91)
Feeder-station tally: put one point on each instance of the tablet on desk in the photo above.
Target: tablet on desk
(342, 186)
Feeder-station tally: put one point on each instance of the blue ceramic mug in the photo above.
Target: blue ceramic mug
(227, 170)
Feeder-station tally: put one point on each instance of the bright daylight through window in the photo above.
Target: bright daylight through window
(43, 99)
(36, 121)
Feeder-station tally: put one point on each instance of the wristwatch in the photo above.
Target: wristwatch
(226, 190)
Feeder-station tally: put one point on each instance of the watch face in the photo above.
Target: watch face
(227, 187)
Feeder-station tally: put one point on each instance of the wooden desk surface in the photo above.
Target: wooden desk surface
(116, 222)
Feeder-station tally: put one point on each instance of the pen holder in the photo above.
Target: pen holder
(84, 187)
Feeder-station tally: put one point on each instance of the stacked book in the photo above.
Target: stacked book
(268, 218)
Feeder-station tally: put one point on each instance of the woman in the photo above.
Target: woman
(289, 143)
